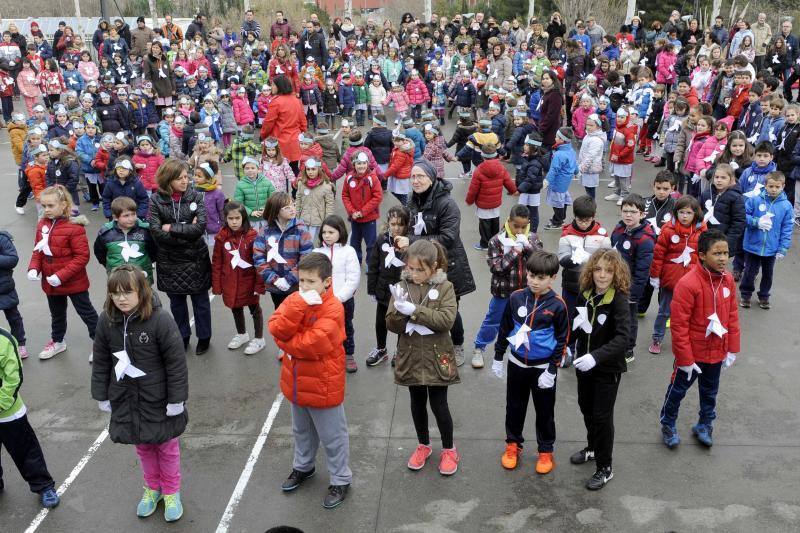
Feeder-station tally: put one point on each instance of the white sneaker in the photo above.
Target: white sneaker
(477, 357)
(238, 340)
(255, 346)
(612, 197)
(51, 349)
(20, 210)
(611, 184)
(91, 357)
(619, 202)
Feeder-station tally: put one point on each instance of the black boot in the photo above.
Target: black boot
(202, 346)
(186, 343)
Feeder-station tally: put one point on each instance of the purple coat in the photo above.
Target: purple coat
(215, 201)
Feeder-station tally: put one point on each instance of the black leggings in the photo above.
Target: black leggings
(258, 320)
(380, 325)
(441, 411)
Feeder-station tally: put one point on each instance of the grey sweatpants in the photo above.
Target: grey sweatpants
(310, 426)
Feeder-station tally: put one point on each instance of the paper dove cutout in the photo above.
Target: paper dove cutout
(237, 261)
(411, 327)
(734, 165)
(273, 254)
(755, 192)
(685, 257)
(752, 139)
(709, 216)
(654, 223)
(715, 326)
(124, 366)
(278, 70)
(507, 242)
(391, 257)
(582, 320)
(521, 338)
(712, 157)
(580, 255)
(772, 137)
(419, 226)
(675, 127)
(775, 59)
(44, 244)
(129, 251)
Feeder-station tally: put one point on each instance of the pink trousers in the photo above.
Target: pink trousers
(161, 465)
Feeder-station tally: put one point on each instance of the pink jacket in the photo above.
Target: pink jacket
(279, 175)
(346, 163)
(400, 100)
(28, 83)
(435, 152)
(148, 174)
(263, 103)
(665, 67)
(417, 92)
(242, 112)
(579, 117)
(703, 153)
(88, 70)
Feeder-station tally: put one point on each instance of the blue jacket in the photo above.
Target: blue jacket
(8, 260)
(770, 128)
(132, 188)
(548, 318)
(779, 238)
(562, 168)
(499, 124)
(419, 142)
(86, 148)
(73, 80)
(750, 119)
(44, 50)
(347, 96)
(754, 175)
(642, 96)
(530, 176)
(464, 94)
(163, 137)
(533, 105)
(638, 253)
(516, 142)
(611, 52)
(518, 63)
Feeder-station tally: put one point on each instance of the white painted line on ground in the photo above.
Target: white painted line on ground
(210, 299)
(70, 478)
(244, 478)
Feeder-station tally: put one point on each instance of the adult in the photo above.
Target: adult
(741, 31)
(311, 44)
(282, 64)
(56, 36)
(10, 55)
(636, 30)
(762, 38)
(595, 31)
(156, 69)
(250, 24)
(435, 216)
(792, 55)
(64, 42)
(285, 120)
(555, 28)
(141, 38)
(18, 39)
(124, 31)
(197, 26)
(517, 33)
(171, 31)
(183, 267)
(500, 66)
(280, 29)
(674, 23)
(692, 34)
(100, 34)
(551, 104)
(720, 31)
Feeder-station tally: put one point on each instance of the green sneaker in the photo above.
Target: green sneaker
(173, 509)
(148, 503)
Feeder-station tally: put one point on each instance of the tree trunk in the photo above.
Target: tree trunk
(531, 8)
(153, 13)
(426, 13)
(630, 12)
(78, 8)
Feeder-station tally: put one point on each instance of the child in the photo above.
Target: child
(723, 206)
(9, 299)
(621, 156)
(398, 97)
(767, 237)
(530, 176)
(147, 160)
(536, 324)
(126, 239)
(465, 129)
(315, 196)
(634, 239)
(227, 119)
(705, 336)
(252, 191)
(658, 211)
(35, 176)
(86, 149)
(653, 124)
(590, 157)
(673, 256)
(276, 167)
(139, 353)
(581, 114)
(435, 150)
(205, 180)
(309, 329)
(241, 147)
(752, 181)
(362, 196)
(600, 350)
(377, 95)
(17, 131)
(63, 170)
(346, 277)
(16, 434)
(123, 182)
(28, 83)
(509, 251)
(330, 149)
(422, 310)
(700, 153)
(242, 112)
(562, 168)
(59, 261)
(401, 161)
(486, 193)
(234, 277)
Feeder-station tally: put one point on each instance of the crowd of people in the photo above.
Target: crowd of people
(138, 123)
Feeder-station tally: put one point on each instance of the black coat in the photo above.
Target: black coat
(787, 138)
(378, 277)
(530, 176)
(182, 265)
(8, 261)
(112, 117)
(609, 337)
(139, 405)
(443, 224)
(379, 140)
(729, 212)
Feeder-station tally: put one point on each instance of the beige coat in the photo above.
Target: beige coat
(314, 204)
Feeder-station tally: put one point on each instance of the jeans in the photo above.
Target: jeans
(202, 314)
(491, 322)
(597, 394)
(365, 231)
(752, 264)
(58, 313)
(8, 107)
(161, 465)
(660, 326)
(708, 385)
(19, 440)
(521, 384)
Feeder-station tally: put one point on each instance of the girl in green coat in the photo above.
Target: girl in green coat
(253, 191)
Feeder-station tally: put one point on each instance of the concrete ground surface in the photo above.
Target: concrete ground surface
(746, 482)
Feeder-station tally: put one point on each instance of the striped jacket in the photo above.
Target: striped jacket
(293, 243)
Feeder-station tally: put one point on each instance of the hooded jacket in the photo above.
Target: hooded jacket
(364, 194)
(68, 257)
(239, 285)
(672, 241)
(779, 238)
(379, 276)
(590, 157)
(638, 253)
(486, 188)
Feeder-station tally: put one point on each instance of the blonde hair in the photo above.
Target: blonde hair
(622, 274)
(62, 194)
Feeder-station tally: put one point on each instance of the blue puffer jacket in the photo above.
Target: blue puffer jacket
(562, 168)
(419, 142)
(86, 148)
(755, 175)
(530, 176)
(779, 238)
(638, 253)
(132, 188)
(464, 94)
(533, 105)
(347, 96)
(8, 260)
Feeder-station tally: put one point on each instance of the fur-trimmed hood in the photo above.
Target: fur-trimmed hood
(438, 278)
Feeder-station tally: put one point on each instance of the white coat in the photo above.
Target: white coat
(346, 269)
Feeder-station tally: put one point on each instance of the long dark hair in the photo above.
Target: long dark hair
(283, 84)
(129, 278)
(233, 205)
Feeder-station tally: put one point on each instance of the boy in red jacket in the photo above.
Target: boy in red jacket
(309, 328)
(362, 195)
(486, 192)
(705, 336)
(739, 97)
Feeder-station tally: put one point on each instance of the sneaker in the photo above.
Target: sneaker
(350, 364)
(20, 210)
(255, 346)
(581, 456)
(478, 247)
(477, 357)
(418, 458)
(552, 225)
(148, 503)
(296, 478)
(702, 432)
(95, 207)
(49, 499)
(630, 357)
(763, 304)
(613, 197)
(670, 436)
(459, 353)
(511, 456)
(23, 352)
(52, 349)
(745, 303)
(669, 321)
(238, 341)
(619, 202)
(655, 348)
(336, 496)
(202, 346)
(448, 461)
(611, 184)
(91, 357)
(600, 478)
(377, 356)
(545, 464)
(173, 508)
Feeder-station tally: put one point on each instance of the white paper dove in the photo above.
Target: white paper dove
(753, 138)
(675, 127)
(734, 165)
(709, 216)
(237, 261)
(755, 192)
(715, 326)
(507, 242)
(129, 251)
(772, 137)
(411, 327)
(124, 366)
(44, 244)
(520, 338)
(273, 254)
(391, 256)
(685, 257)
(580, 255)
(582, 320)
(712, 157)
(654, 223)
(775, 59)
(419, 225)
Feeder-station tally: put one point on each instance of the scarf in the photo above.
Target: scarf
(178, 133)
(512, 235)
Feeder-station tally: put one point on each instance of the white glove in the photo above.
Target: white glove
(765, 223)
(655, 282)
(53, 280)
(104, 406)
(780, 255)
(282, 285)
(497, 369)
(545, 183)
(174, 409)
(729, 360)
(547, 380)
(372, 298)
(585, 363)
(407, 308)
(689, 369)
(695, 178)
(311, 297)
(33, 275)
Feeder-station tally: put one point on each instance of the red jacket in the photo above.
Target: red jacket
(285, 120)
(488, 180)
(400, 163)
(674, 238)
(738, 99)
(311, 336)
(238, 286)
(148, 174)
(362, 194)
(70, 255)
(623, 143)
(101, 159)
(692, 304)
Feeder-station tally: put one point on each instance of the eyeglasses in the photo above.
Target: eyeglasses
(122, 295)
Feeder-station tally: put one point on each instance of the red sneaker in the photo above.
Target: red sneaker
(418, 458)
(448, 462)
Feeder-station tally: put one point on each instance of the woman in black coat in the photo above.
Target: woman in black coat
(157, 70)
(183, 267)
(552, 101)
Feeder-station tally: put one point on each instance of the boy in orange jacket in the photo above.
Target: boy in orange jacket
(486, 192)
(309, 328)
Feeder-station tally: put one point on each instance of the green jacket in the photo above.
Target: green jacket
(10, 376)
(111, 251)
(253, 194)
(362, 93)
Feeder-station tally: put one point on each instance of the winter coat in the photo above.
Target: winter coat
(28, 83)
(364, 194)
(464, 94)
(401, 162)
(159, 73)
(227, 119)
(550, 120)
(8, 261)
(330, 102)
(697, 295)
(486, 188)
(530, 176)
(242, 112)
(139, 406)
(623, 144)
(152, 162)
(293, 243)
(694, 162)
(214, 201)
(572, 238)
(777, 240)
(253, 194)
(285, 120)
(311, 337)
(754, 175)
(729, 211)
(562, 168)
(435, 153)
(608, 339)
(461, 135)
(109, 243)
(638, 253)
(672, 241)
(281, 175)
(315, 204)
(379, 142)
(425, 359)
(346, 269)
(590, 157)
(579, 117)
(380, 276)
(68, 257)
(787, 138)
(112, 117)
(499, 69)
(417, 92)
(507, 263)
(399, 99)
(239, 285)
(310, 94)
(330, 149)
(183, 265)
(665, 67)
(63, 172)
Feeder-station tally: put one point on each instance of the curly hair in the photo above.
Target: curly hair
(622, 274)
